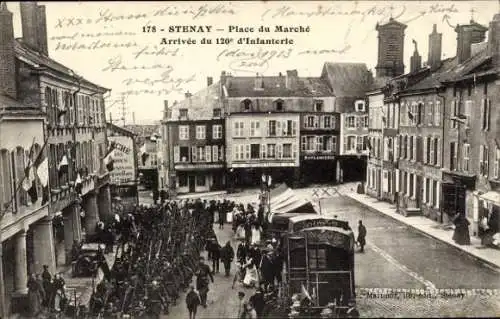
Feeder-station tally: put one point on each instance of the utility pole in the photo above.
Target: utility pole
(124, 109)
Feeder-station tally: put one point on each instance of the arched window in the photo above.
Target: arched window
(279, 105)
(247, 105)
(6, 187)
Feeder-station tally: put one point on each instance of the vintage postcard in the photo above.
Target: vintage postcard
(249, 159)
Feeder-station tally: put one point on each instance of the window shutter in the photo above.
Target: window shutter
(176, 154)
(481, 159)
(430, 113)
(438, 162)
(426, 154)
(247, 151)
(215, 153)
(396, 149)
(345, 144)
(488, 115)
(279, 150)
(334, 144)
(438, 194)
(305, 121)
(425, 199)
(208, 153)
(319, 143)
(397, 180)
(294, 128)
(263, 151)
(430, 158)
(294, 150)
(321, 123)
(194, 154)
(222, 155)
(484, 110)
(303, 142)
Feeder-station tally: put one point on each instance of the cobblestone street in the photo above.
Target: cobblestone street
(397, 260)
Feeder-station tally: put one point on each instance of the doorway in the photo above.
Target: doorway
(192, 183)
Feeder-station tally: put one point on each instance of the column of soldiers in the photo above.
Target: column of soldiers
(156, 258)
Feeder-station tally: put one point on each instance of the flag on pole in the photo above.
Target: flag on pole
(305, 292)
(410, 116)
(42, 171)
(78, 184)
(62, 167)
(109, 159)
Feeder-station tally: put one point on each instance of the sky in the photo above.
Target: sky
(128, 47)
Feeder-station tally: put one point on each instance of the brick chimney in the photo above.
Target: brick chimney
(435, 41)
(466, 36)
(29, 22)
(7, 54)
(292, 77)
(416, 59)
(187, 95)
(42, 30)
(210, 80)
(494, 40)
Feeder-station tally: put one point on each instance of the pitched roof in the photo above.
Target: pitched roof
(120, 129)
(275, 86)
(347, 79)
(434, 78)
(468, 66)
(37, 60)
(200, 105)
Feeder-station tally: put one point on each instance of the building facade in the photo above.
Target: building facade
(195, 142)
(349, 83)
(319, 142)
(471, 147)
(263, 127)
(71, 136)
(375, 99)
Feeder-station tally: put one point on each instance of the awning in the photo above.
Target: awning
(491, 196)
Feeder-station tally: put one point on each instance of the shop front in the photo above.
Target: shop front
(318, 169)
(487, 217)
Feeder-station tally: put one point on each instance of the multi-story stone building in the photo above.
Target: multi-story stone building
(471, 145)
(194, 135)
(375, 99)
(349, 82)
(263, 115)
(72, 136)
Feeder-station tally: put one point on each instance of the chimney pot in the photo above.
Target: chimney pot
(435, 42)
(466, 36)
(42, 30)
(29, 23)
(7, 54)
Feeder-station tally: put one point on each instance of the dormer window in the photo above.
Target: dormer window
(318, 106)
(279, 105)
(360, 106)
(183, 113)
(217, 112)
(247, 105)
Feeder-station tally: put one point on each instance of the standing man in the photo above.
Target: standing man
(227, 256)
(202, 281)
(361, 236)
(192, 302)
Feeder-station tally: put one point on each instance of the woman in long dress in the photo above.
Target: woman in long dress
(251, 275)
(256, 234)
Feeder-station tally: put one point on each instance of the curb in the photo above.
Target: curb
(483, 260)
